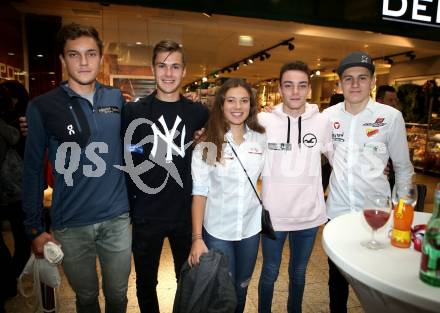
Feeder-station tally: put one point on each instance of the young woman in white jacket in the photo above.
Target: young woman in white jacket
(226, 214)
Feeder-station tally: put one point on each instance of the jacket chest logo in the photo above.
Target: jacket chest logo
(309, 140)
(70, 130)
(168, 137)
(377, 123)
(371, 132)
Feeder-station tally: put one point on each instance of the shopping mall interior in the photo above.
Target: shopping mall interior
(250, 41)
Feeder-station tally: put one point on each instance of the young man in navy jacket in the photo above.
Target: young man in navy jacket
(79, 124)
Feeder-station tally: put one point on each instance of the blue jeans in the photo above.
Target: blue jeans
(110, 241)
(301, 245)
(242, 255)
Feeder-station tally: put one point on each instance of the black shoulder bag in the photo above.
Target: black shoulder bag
(266, 223)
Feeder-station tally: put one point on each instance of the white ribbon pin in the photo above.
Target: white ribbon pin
(70, 129)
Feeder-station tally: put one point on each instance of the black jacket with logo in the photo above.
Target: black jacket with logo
(163, 190)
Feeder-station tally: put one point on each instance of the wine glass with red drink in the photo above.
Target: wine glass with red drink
(377, 210)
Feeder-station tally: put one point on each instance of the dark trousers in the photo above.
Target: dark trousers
(338, 289)
(12, 266)
(148, 240)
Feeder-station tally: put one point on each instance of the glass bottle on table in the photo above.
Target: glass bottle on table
(404, 198)
(430, 264)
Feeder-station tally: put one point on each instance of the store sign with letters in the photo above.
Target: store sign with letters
(419, 12)
(10, 72)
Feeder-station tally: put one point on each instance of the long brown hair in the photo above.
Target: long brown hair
(217, 125)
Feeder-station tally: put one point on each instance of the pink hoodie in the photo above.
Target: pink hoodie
(292, 184)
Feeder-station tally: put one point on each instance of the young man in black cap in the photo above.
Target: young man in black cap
(365, 134)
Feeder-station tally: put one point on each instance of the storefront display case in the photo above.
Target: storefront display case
(424, 146)
(420, 100)
(432, 157)
(417, 140)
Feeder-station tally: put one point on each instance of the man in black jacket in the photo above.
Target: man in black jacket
(158, 131)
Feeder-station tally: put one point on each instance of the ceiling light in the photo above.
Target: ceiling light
(290, 46)
(11, 53)
(207, 14)
(138, 43)
(318, 72)
(204, 79)
(236, 67)
(40, 56)
(196, 83)
(250, 61)
(389, 60)
(245, 40)
(267, 55)
(262, 57)
(229, 69)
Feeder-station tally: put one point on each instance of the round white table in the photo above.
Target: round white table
(384, 280)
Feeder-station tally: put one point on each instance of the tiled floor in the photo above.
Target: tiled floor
(315, 296)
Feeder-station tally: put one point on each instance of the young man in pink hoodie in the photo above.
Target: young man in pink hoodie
(297, 134)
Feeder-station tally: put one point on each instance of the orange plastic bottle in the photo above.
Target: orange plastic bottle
(402, 218)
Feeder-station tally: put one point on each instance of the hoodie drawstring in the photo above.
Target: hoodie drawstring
(299, 131)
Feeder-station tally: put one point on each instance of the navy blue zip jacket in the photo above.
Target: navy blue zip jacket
(96, 190)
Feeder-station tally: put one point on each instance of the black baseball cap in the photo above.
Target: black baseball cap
(357, 58)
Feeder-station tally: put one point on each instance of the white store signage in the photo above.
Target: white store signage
(420, 12)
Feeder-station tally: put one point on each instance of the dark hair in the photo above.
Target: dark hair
(335, 99)
(167, 46)
(17, 91)
(380, 93)
(295, 66)
(73, 31)
(217, 126)
(6, 104)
